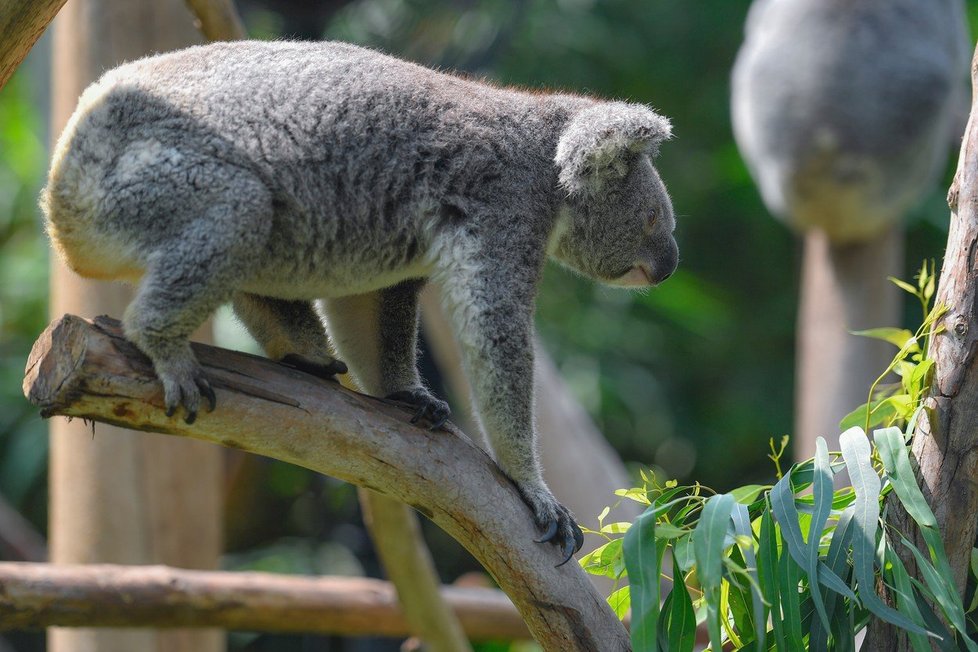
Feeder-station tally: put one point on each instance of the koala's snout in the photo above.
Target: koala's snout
(666, 261)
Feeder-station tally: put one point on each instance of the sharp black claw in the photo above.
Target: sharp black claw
(340, 367)
(171, 410)
(568, 550)
(549, 534)
(208, 392)
(191, 417)
(578, 538)
(419, 413)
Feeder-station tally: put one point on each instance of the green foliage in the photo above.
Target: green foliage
(794, 566)
(791, 567)
(894, 404)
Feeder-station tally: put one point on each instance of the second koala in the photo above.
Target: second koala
(272, 175)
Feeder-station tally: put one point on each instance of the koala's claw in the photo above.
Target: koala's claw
(549, 534)
(325, 371)
(427, 407)
(185, 389)
(554, 519)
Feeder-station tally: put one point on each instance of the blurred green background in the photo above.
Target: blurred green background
(692, 378)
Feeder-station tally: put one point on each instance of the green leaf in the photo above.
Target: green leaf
(880, 411)
(620, 601)
(857, 454)
(619, 527)
(748, 493)
(767, 571)
(898, 337)
(896, 461)
(759, 613)
(669, 531)
(789, 576)
(637, 494)
(708, 544)
(784, 510)
(943, 592)
(605, 560)
(677, 624)
(903, 285)
(906, 602)
(642, 563)
(822, 493)
(840, 609)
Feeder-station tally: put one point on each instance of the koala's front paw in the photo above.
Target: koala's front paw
(325, 370)
(183, 384)
(556, 521)
(434, 411)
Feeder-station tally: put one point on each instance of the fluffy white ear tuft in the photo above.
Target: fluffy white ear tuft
(597, 142)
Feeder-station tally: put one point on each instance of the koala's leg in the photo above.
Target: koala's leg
(187, 277)
(288, 331)
(492, 314)
(377, 334)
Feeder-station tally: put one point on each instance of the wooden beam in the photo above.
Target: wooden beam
(108, 595)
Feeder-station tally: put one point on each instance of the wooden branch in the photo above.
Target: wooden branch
(35, 596)
(218, 20)
(946, 443)
(88, 370)
(22, 22)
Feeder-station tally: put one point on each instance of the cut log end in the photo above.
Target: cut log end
(50, 382)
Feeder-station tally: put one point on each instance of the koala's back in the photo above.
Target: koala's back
(341, 137)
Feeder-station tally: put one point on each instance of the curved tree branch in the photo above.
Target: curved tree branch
(88, 370)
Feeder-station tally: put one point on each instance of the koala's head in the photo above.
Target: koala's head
(616, 222)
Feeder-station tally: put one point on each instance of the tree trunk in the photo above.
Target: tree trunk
(118, 496)
(91, 372)
(843, 288)
(945, 445)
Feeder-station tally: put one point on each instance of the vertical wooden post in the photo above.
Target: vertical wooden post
(118, 496)
(843, 288)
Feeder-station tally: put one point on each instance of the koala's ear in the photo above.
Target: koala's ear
(597, 143)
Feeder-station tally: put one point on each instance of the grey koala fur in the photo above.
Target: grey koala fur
(275, 174)
(845, 110)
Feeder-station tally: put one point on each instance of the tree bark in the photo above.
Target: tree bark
(123, 497)
(945, 445)
(90, 371)
(106, 595)
(22, 22)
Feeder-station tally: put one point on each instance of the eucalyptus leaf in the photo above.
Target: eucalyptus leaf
(642, 563)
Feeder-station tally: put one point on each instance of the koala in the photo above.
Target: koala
(274, 175)
(845, 111)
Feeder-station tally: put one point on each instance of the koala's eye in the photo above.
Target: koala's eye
(652, 217)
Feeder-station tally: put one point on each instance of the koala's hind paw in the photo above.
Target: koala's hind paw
(185, 386)
(427, 407)
(326, 371)
(558, 524)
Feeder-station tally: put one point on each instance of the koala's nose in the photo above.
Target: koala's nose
(667, 262)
